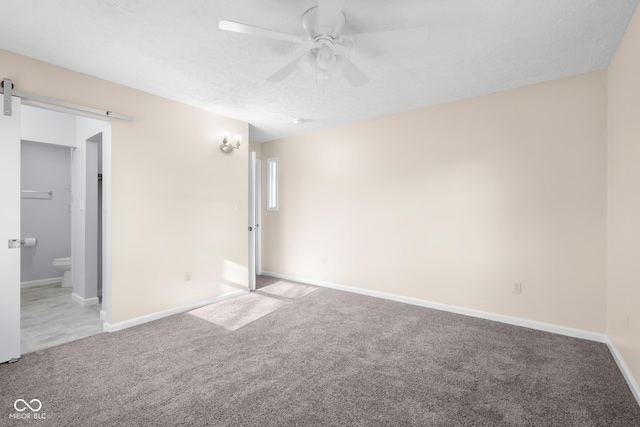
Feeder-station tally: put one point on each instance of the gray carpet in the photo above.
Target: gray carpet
(262, 281)
(327, 358)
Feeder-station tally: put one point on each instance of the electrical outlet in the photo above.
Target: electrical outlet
(626, 323)
(187, 276)
(517, 288)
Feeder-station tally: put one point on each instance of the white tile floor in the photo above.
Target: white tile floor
(50, 317)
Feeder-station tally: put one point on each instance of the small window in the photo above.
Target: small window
(272, 184)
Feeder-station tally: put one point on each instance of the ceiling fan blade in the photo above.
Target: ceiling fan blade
(237, 27)
(389, 39)
(329, 13)
(350, 71)
(285, 71)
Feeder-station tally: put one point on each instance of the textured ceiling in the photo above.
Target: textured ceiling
(176, 50)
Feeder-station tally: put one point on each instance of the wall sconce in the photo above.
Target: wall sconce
(226, 146)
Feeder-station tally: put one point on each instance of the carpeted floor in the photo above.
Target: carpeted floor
(262, 281)
(323, 357)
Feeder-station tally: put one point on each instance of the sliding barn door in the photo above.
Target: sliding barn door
(10, 233)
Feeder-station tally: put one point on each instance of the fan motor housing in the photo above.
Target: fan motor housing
(310, 24)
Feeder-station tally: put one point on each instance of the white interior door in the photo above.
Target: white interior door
(252, 221)
(9, 233)
(258, 207)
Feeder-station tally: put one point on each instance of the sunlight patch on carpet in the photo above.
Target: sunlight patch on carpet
(288, 289)
(237, 312)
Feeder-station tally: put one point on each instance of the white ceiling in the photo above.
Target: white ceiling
(174, 49)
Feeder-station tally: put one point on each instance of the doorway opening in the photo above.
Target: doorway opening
(64, 296)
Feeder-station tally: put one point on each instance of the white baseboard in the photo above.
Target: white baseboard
(103, 315)
(517, 321)
(84, 302)
(113, 327)
(626, 372)
(532, 324)
(41, 282)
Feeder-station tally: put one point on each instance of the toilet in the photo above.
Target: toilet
(64, 265)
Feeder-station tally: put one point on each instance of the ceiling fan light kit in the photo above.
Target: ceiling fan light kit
(326, 49)
(325, 58)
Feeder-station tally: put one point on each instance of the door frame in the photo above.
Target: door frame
(85, 131)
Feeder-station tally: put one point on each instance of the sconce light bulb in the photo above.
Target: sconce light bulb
(238, 138)
(226, 135)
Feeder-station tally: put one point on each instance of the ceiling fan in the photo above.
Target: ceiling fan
(327, 46)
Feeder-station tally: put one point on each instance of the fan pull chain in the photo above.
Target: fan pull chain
(322, 83)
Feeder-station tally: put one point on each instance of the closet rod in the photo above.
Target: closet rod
(50, 193)
(6, 88)
(27, 194)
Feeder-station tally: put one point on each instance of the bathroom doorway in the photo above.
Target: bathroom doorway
(62, 164)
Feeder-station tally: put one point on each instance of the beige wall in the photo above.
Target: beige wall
(454, 203)
(179, 203)
(623, 279)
